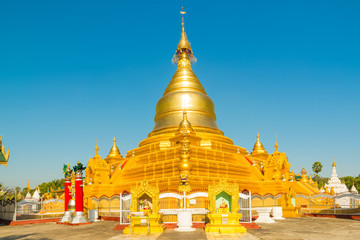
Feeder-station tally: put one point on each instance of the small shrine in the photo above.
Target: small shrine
(223, 208)
(4, 156)
(144, 217)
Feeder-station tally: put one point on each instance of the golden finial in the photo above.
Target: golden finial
(276, 145)
(183, 55)
(114, 151)
(334, 164)
(258, 146)
(97, 148)
(183, 13)
(97, 156)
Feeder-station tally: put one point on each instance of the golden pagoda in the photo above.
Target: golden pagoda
(4, 156)
(187, 152)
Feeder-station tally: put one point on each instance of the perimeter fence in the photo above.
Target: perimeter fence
(30, 209)
(346, 203)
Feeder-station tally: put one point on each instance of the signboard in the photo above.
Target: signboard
(225, 221)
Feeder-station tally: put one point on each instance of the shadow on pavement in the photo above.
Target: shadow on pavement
(199, 234)
(24, 236)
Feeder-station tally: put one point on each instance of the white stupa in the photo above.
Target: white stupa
(335, 182)
(353, 189)
(339, 188)
(28, 196)
(36, 195)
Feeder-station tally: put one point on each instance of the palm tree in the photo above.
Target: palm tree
(316, 167)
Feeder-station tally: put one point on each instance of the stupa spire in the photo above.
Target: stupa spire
(258, 146)
(185, 92)
(114, 151)
(276, 145)
(28, 186)
(97, 156)
(303, 171)
(183, 55)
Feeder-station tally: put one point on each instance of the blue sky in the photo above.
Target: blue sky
(72, 72)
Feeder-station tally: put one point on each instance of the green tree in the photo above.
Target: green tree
(349, 181)
(320, 180)
(316, 167)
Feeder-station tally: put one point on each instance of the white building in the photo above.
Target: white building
(339, 188)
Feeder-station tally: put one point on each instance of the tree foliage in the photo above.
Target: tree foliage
(45, 187)
(54, 184)
(317, 167)
(349, 180)
(320, 180)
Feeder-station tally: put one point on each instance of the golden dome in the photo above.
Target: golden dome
(185, 93)
(258, 146)
(114, 151)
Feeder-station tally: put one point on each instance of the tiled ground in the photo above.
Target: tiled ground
(292, 228)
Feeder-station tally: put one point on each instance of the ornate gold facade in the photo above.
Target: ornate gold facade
(198, 156)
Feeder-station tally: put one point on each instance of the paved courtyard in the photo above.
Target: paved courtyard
(310, 228)
(291, 228)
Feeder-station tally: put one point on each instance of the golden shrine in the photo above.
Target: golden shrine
(186, 152)
(4, 156)
(148, 203)
(223, 208)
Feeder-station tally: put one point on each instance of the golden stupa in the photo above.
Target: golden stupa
(186, 151)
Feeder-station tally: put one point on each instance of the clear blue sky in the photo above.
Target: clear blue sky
(74, 71)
